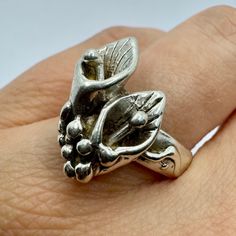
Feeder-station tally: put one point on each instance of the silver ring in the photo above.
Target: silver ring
(102, 127)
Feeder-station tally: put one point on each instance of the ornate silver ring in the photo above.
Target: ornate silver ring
(102, 127)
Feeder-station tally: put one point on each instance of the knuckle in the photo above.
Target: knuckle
(220, 8)
(220, 12)
(115, 32)
(218, 21)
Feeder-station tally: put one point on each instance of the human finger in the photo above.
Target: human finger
(194, 64)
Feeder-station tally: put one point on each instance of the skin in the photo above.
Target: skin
(194, 64)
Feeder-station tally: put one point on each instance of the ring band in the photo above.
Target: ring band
(102, 127)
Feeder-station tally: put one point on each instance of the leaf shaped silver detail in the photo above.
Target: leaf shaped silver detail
(120, 116)
(119, 57)
(101, 73)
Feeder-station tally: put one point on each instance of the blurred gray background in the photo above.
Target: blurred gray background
(31, 30)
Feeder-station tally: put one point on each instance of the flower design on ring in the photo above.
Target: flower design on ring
(102, 127)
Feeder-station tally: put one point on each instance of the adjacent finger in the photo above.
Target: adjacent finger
(40, 92)
(217, 157)
(213, 172)
(195, 66)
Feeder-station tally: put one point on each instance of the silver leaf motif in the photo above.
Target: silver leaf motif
(102, 127)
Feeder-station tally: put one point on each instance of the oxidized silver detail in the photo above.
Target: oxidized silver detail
(102, 127)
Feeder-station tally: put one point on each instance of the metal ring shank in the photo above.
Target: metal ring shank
(166, 156)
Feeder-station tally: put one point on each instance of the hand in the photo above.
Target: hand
(195, 65)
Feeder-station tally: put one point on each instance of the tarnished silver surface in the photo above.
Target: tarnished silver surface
(102, 127)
